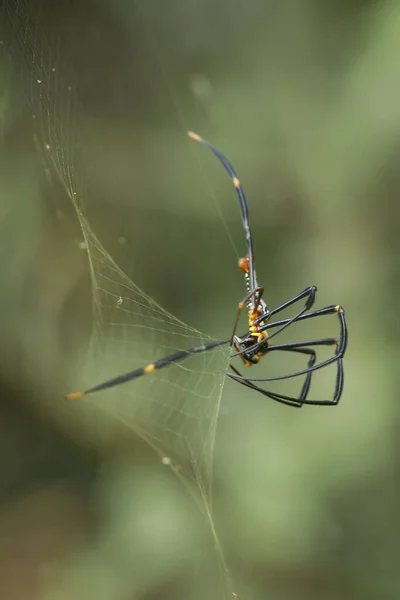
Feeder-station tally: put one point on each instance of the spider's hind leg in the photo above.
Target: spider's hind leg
(288, 400)
(236, 376)
(302, 348)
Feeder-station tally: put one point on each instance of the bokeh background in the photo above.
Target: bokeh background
(304, 97)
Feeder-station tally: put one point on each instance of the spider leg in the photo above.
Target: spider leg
(328, 310)
(308, 293)
(302, 347)
(288, 400)
(158, 364)
(277, 397)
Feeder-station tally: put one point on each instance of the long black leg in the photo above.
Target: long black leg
(288, 400)
(320, 365)
(277, 397)
(310, 369)
(327, 310)
(308, 293)
(158, 364)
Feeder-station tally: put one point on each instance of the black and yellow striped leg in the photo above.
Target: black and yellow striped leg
(158, 364)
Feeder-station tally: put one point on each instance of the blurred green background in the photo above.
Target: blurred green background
(95, 99)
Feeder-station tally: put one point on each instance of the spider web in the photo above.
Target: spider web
(175, 409)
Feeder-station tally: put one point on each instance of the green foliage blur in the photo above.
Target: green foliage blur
(304, 98)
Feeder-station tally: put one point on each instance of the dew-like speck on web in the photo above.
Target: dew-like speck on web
(166, 460)
(120, 301)
(82, 245)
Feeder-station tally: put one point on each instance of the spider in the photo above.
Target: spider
(255, 343)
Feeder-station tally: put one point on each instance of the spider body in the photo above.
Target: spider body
(256, 310)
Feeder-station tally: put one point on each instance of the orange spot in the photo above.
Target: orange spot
(236, 182)
(244, 264)
(194, 136)
(248, 364)
(74, 395)
(149, 368)
(337, 308)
